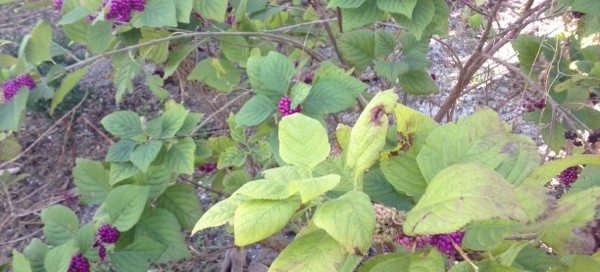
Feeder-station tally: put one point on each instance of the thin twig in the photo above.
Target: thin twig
(224, 107)
(465, 256)
(102, 134)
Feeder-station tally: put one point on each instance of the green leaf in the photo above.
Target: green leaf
(532, 258)
(266, 189)
(232, 156)
(120, 151)
(459, 194)
(162, 226)
(546, 172)
(74, 15)
(380, 191)
(124, 71)
(287, 173)
(235, 48)
(157, 178)
(404, 7)
(58, 258)
(176, 57)
(155, 86)
(12, 112)
(190, 123)
(144, 154)
(123, 124)
(357, 48)
(255, 220)
(36, 252)
(422, 15)
(224, 79)
(311, 188)
(480, 138)
(184, 9)
(440, 23)
(390, 70)
(180, 157)
(19, 262)
(403, 173)
(333, 93)
(368, 135)
(66, 86)
(157, 52)
(219, 213)
(528, 51)
(276, 72)
(299, 92)
(349, 219)
(99, 36)
(385, 43)
(85, 237)
(367, 13)
(255, 111)
(212, 9)
(254, 70)
(298, 131)
(134, 257)
(122, 170)
(60, 224)
(234, 180)
(157, 13)
(587, 6)
(182, 201)
(588, 178)
(418, 82)
(172, 121)
(35, 47)
(523, 159)
(262, 152)
(345, 3)
(125, 214)
(400, 262)
(488, 234)
(313, 252)
(574, 210)
(92, 181)
(412, 127)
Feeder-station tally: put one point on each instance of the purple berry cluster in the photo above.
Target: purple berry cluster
(12, 86)
(207, 167)
(577, 14)
(121, 10)
(284, 106)
(409, 242)
(79, 264)
(594, 137)
(443, 242)
(58, 4)
(101, 250)
(568, 176)
(108, 234)
(308, 78)
(530, 105)
(230, 20)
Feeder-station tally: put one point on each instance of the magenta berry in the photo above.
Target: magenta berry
(108, 234)
(230, 20)
(12, 86)
(207, 167)
(79, 264)
(284, 106)
(58, 4)
(568, 176)
(594, 137)
(101, 250)
(308, 78)
(120, 10)
(409, 242)
(444, 242)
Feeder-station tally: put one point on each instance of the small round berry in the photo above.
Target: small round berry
(79, 264)
(570, 135)
(58, 4)
(568, 176)
(540, 104)
(230, 20)
(308, 78)
(108, 234)
(577, 14)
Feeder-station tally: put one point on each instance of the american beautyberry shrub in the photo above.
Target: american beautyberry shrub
(108, 234)
(413, 243)
(445, 242)
(79, 264)
(284, 106)
(12, 86)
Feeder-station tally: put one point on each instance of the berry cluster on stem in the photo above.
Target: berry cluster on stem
(568, 176)
(207, 167)
(79, 263)
(388, 223)
(284, 106)
(120, 10)
(12, 86)
(530, 105)
(442, 242)
(108, 234)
